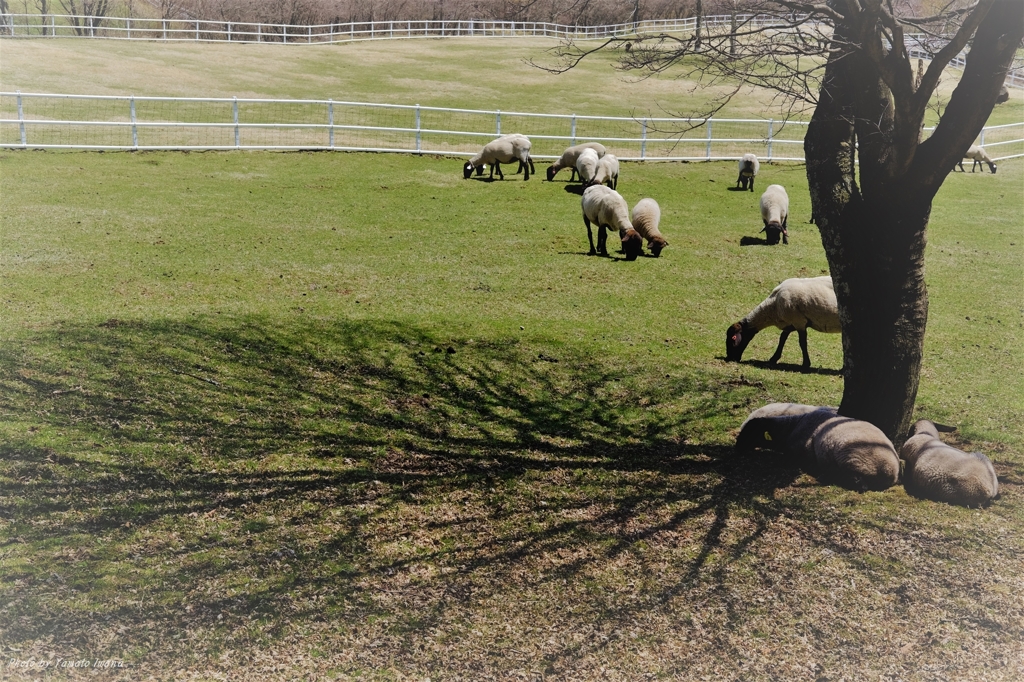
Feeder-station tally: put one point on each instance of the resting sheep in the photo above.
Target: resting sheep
(607, 171)
(775, 214)
(569, 156)
(586, 166)
(853, 453)
(797, 304)
(979, 156)
(608, 210)
(936, 471)
(749, 166)
(505, 149)
(646, 216)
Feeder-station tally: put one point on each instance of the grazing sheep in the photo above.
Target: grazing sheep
(749, 166)
(936, 471)
(775, 214)
(569, 156)
(797, 304)
(608, 209)
(1004, 95)
(853, 453)
(607, 171)
(646, 216)
(979, 156)
(505, 149)
(586, 166)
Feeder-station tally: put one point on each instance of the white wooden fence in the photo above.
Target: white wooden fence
(57, 121)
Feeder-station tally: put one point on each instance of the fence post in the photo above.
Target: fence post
(234, 106)
(573, 138)
(128, 22)
(309, 34)
(21, 120)
(259, 33)
(498, 120)
(707, 152)
(981, 141)
(229, 31)
(330, 122)
(643, 140)
(197, 30)
(53, 26)
(770, 135)
(419, 148)
(135, 129)
(164, 22)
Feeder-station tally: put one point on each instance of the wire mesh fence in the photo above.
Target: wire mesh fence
(31, 120)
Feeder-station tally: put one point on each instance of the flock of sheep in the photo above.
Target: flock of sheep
(851, 452)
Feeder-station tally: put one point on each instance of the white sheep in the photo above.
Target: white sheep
(586, 166)
(505, 149)
(940, 472)
(608, 210)
(569, 156)
(979, 156)
(607, 171)
(646, 216)
(775, 214)
(749, 167)
(853, 453)
(797, 304)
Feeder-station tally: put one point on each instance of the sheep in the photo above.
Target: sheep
(797, 304)
(940, 472)
(607, 171)
(645, 217)
(1004, 95)
(608, 209)
(499, 151)
(775, 214)
(749, 166)
(853, 453)
(979, 156)
(569, 156)
(586, 166)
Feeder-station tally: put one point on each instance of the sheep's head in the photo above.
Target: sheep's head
(551, 173)
(773, 232)
(737, 336)
(992, 167)
(632, 244)
(761, 432)
(467, 170)
(656, 244)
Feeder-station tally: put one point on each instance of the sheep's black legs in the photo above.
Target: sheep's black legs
(497, 167)
(782, 344)
(602, 240)
(802, 335)
(590, 235)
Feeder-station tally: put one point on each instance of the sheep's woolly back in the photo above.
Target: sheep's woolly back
(607, 169)
(774, 205)
(606, 207)
(505, 149)
(801, 302)
(646, 216)
(854, 453)
(940, 472)
(749, 164)
(976, 153)
(586, 165)
(570, 155)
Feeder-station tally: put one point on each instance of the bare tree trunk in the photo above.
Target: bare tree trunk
(700, 23)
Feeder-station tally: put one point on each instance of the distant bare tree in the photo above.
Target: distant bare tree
(86, 15)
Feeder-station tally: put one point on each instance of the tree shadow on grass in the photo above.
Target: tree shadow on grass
(220, 477)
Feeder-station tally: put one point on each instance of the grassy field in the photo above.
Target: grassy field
(349, 416)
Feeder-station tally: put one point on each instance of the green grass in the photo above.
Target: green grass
(355, 409)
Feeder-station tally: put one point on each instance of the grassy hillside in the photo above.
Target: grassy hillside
(354, 413)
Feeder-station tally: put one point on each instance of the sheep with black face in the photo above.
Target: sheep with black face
(505, 149)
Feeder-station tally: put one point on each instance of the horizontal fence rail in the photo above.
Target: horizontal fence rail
(55, 121)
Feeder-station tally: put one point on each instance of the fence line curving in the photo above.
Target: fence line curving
(105, 122)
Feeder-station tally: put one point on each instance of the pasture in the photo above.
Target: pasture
(350, 416)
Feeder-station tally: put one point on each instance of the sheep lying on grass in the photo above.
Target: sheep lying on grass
(936, 471)
(850, 452)
(608, 210)
(505, 149)
(979, 156)
(586, 166)
(797, 304)
(775, 214)
(569, 157)
(607, 171)
(646, 216)
(749, 167)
